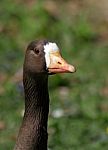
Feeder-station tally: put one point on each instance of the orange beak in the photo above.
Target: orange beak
(59, 65)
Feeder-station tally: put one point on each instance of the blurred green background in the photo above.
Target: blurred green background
(78, 118)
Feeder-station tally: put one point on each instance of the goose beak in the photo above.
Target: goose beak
(59, 65)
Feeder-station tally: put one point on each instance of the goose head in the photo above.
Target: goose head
(43, 57)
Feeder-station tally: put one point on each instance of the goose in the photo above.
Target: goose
(42, 58)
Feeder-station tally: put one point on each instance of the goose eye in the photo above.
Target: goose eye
(36, 51)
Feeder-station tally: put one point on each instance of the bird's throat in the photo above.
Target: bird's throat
(33, 131)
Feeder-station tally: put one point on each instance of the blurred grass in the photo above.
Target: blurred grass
(81, 97)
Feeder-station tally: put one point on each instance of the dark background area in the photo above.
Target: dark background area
(78, 116)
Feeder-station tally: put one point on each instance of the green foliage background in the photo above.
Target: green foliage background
(81, 97)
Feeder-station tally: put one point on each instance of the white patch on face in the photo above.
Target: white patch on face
(50, 47)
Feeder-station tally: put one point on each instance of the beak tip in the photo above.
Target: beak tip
(72, 69)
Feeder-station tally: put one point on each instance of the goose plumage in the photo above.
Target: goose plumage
(42, 58)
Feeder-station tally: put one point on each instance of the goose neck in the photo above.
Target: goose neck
(33, 132)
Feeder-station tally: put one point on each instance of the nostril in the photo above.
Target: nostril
(59, 62)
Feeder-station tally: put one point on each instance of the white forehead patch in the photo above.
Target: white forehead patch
(47, 49)
(51, 47)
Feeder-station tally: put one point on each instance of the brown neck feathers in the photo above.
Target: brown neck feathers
(33, 131)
